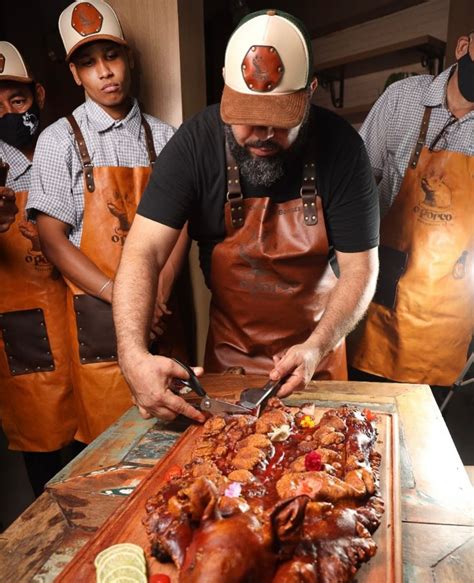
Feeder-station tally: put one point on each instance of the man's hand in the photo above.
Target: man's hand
(298, 363)
(149, 378)
(8, 208)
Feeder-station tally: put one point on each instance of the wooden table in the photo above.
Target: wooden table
(437, 498)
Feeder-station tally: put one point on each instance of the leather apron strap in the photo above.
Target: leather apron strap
(308, 191)
(84, 152)
(421, 138)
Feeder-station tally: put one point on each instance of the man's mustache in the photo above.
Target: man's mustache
(263, 144)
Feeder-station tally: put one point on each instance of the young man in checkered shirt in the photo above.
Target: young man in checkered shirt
(90, 170)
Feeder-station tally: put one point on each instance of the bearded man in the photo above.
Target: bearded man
(280, 197)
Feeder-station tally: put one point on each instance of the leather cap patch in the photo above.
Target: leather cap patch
(2, 63)
(262, 68)
(86, 19)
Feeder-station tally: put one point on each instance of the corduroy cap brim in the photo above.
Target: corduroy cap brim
(280, 111)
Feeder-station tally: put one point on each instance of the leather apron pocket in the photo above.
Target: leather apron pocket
(393, 264)
(95, 330)
(26, 341)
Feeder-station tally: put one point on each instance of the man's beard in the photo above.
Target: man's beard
(265, 171)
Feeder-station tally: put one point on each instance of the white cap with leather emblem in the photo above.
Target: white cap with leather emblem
(267, 71)
(12, 65)
(85, 22)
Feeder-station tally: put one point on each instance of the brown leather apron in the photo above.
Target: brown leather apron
(420, 323)
(111, 196)
(270, 280)
(36, 399)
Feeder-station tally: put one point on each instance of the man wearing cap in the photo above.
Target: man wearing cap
(90, 170)
(35, 384)
(420, 140)
(272, 188)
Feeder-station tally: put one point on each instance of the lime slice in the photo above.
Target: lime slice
(128, 547)
(134, 573)
(120, 559)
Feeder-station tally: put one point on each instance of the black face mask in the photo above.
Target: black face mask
(17, 129)
(466, 77)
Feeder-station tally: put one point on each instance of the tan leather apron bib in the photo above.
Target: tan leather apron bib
(419, 325)
(36, 399)
(111, 196)
(270, 280)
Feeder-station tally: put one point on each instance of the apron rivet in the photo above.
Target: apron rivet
(44, 338)
(313, 217)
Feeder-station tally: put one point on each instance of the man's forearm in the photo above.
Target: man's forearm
(70, 260)
(347, 303)
(146, 251)
(133, 302)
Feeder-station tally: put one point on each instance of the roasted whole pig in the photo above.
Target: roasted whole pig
(283, 499)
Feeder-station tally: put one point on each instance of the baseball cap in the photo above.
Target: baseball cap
(268, 68)
(85, 22)
(12, 65)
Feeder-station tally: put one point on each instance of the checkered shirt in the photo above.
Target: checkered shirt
(19, 173)
(393, 126)
(57, 184)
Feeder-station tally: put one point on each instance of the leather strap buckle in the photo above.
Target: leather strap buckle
(308, 194)
(237, 211)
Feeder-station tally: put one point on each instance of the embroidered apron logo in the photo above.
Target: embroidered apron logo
(262, 279)
(436, 202)
(35, 255)
(118, 209)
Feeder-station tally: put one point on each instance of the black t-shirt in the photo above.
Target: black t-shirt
(188, 183)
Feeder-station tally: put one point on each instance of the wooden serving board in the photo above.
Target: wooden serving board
(125, 524)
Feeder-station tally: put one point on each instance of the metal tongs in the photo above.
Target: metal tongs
(251, 402)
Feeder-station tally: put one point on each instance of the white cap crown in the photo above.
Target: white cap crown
(84, 22)
(12, 65)
(278, 45)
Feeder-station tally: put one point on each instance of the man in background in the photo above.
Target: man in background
(36, 401)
